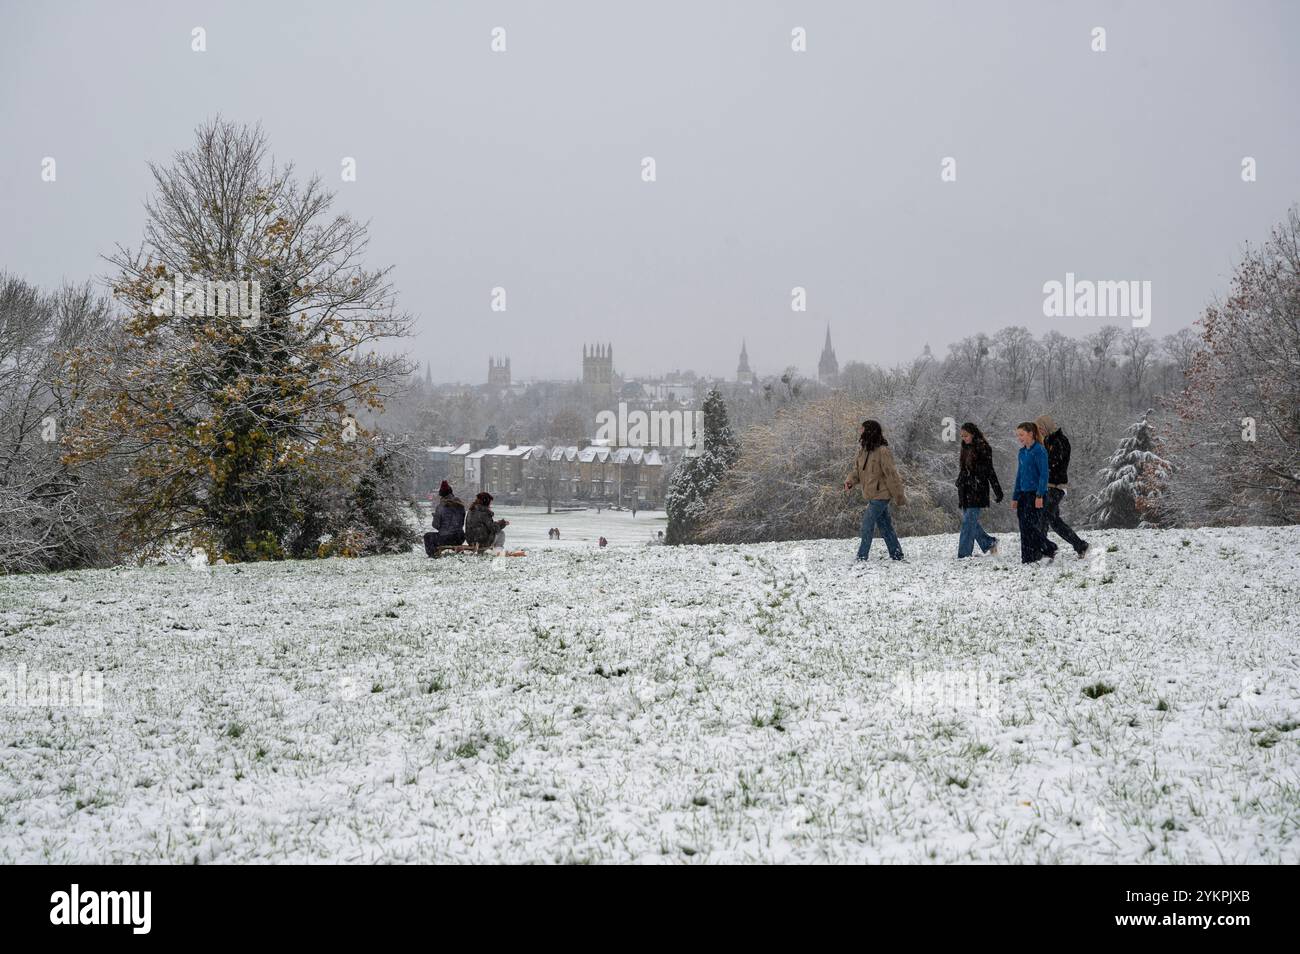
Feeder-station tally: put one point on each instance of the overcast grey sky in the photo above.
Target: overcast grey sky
(775, 169)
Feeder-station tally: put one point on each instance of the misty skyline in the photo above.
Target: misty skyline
(821, 169)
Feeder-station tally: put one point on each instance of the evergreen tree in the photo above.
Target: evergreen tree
(696, 477)
(1132, 482)
(492, 438)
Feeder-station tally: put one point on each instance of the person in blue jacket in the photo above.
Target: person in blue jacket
(1031, 491)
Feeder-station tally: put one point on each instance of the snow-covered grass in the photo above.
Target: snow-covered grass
(580, 529)
(763, 703)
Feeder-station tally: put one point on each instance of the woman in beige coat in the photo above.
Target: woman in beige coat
(875, 472)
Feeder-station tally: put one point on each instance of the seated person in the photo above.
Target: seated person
(448, 521)
(481, 527)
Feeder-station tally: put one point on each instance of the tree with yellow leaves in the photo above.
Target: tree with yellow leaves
(250, 343)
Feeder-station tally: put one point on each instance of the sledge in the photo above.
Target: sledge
(460, 548)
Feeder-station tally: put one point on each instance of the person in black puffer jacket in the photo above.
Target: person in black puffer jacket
(1058, 475)
(448, 522)
(975, 477)
(449, 517)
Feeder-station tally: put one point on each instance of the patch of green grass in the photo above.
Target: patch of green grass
(235, 730)
(775, 719)
(466, 750)
(1097, 690)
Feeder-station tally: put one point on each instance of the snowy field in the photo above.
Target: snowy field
(579, 529)
(771, 703)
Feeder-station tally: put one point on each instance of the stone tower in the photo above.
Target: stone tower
(498, 372)
(598, 369)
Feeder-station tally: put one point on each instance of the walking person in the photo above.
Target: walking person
(1030, 491)
(875, 472)
(1058, 467)
(974, 478)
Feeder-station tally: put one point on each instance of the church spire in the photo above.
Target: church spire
(743, 374)
(828, 367)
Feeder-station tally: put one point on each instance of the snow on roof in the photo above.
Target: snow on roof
(505, 450)
(462, 449)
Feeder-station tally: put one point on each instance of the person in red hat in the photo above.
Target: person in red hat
(448, 521)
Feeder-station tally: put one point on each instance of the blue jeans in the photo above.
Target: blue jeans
(972, 533)
(877, 515)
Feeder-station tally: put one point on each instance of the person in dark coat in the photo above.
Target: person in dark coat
(448, 521)
(974, 478)
(1058, 475)
(449, 517)
(1030, 491)
(481, 526)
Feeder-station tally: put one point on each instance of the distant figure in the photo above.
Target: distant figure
(633, 511)
(661, 536)
(550, 534)
(448, 522)
(603, 543)
(1057, 446)
(874, 470)
(1027, 499)
(482, 529)
(974, 477)
(557, 533)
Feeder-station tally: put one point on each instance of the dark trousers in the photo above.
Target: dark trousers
(1053, 521)
(1034, 544)
(433, 540)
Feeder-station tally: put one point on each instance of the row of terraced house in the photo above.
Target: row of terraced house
(531, 474)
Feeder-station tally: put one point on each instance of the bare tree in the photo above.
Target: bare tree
(1017, 356)
(1136, 347)
(1179, 351)
(52, 515)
